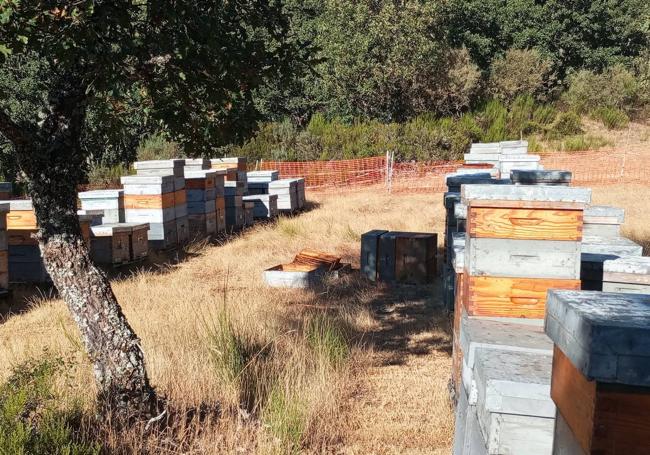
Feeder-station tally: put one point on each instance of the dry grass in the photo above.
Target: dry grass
(352, 368)
(278, 372)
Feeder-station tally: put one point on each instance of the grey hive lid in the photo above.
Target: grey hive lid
(107, 230)
(101, 194)
(540, 176)
(636, 265)
(481, 156)
(147, 179)
(605, 335)
(159, 164)
(525, 193)
(462, 179)
(19, 204)
(619, 246)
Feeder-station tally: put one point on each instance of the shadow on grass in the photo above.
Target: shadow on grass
(407, 320)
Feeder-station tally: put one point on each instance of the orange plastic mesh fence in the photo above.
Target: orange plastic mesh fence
(600, 167)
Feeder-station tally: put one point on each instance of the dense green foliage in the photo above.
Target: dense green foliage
(371, 69)
(31, 421)
(425, 137)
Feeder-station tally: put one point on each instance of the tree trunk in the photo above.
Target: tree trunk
(54, 162)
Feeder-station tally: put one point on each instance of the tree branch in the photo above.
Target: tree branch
(12, 131)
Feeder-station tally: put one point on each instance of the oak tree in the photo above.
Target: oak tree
(192, 64)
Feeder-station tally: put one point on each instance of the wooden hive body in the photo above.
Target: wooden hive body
(601, 372)
(521, 241)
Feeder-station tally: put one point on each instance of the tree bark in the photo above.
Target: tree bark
(53, 161)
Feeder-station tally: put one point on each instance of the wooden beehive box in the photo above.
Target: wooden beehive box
(627, 275)
(600, 382)
(407, 257)
(521, 241)
(110, 243)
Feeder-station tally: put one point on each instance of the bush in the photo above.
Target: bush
(158, 147)
(616, 87)
(612, 118)
(519, 72)
(582, 142)
(565, 124)
(30, 421)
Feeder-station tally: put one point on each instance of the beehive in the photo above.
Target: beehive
(201, 193)
(4, 247)
(262, 176)
(110, 243)
(152, 200)
(239, 163)
(603, 221)
(521, 241)
(600, 382)
(265, 205)
(234, 213)
(111, 202)
(627, 274)
(25, 261)
(407, 257)
(287, 191)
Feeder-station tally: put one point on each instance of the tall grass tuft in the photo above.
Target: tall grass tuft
(285, 416)
(327, 340)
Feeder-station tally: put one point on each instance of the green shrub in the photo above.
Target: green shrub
(519, 72)
(544, 115)
(30, 420)
(582, 142)
(612, 118)
(100, 175)
(565, 124)
(158, 147)
(616, 87)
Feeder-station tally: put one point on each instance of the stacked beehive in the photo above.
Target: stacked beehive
(201, 191)
(629, 275)
(401, 257)
(520, 241)
(110, 202)
(25, 261)
(505, 156)
(603, 241)
(234, 200)
(265, 206)
(119, 243)
(4, 248)
(290, 193)
(150, 199)
(161, 214)
(600, 382)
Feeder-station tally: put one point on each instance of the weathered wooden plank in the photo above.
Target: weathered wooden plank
(574, 397)
(525, 224)
(512, 297)
(523, 258)
(182, 229)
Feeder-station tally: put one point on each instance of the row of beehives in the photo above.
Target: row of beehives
(518, 389)
(503, 157)
(166, 204)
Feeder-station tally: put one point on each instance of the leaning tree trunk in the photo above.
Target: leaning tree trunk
(53, 161)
